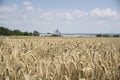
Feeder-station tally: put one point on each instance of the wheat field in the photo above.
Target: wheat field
(59, 58)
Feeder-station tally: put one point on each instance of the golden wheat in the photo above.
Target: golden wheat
(59, 58)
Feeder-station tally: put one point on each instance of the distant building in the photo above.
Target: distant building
(56, 33)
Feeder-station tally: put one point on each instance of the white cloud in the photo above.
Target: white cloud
(3, 17)
(103, 12)
(8, 9)
(68, 15)
(26, 3)
(71, 14)
(44, 18)
(61, 14)
(74, 14)
(29, 8)
(3, 22)
(80, 13)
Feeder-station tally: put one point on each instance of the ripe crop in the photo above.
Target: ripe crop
(59, 58)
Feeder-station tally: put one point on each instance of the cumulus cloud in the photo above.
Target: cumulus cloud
(29, 8)
(103, 12)
(8, 9)
(3, 17)
(62, 14)
(54, 17)
(73, 14)
(26, 3)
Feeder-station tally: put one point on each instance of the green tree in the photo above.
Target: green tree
(35, 33)
(8, 32)
(26, 33)
(5, 31)
(98, 35)
(106, 35)
(116, 35)
(17, 32)
(30, 34)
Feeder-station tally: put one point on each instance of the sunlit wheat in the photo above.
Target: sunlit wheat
(59, 58)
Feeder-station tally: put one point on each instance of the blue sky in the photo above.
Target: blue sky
(69, 16)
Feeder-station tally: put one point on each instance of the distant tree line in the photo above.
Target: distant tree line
(7, 32)
(107, 35)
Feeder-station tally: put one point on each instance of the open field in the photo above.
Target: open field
(59, 58)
